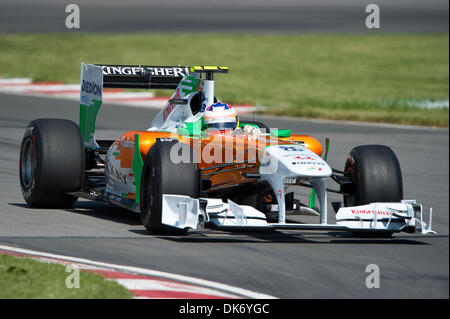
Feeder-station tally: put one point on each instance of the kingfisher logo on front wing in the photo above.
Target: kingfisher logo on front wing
(369, 212)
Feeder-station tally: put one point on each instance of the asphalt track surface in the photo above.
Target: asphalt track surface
(285, 264)
(267, 16)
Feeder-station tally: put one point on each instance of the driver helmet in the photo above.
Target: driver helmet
(220, 118)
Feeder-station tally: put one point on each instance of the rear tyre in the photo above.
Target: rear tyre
(160, 176)
(376, 175)
(51, 163)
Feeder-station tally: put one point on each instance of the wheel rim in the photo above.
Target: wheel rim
(27, 164)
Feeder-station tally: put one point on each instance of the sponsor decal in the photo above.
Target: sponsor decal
(168, 139)
(297, 142)
(114, 174)
(204, 106)
(91, 88)
(137, 70)
(290, 181)
(169, 108)
(307, 163)
(128, 143)
(305, 158)
(189, 84)
(291, 149)
(369, 212)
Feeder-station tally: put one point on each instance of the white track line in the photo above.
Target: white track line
(142, 271)
(15, 81)
(157, 285)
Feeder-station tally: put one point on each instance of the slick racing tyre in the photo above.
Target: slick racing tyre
(160, 176)
(51, 163)
(376, 175)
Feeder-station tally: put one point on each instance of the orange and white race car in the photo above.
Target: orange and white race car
(180, 175)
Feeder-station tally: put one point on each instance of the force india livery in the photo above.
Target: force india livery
(180, 177)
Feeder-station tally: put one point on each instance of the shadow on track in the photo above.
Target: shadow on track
(98, 210)
(211, 236)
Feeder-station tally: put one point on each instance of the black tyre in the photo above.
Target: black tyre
(376, 175)
(51, 163)
(162, 176)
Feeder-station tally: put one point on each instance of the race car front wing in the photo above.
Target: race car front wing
(186, 212)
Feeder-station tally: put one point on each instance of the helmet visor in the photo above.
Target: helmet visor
(221, 126)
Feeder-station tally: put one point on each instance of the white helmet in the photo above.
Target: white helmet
(220, 118)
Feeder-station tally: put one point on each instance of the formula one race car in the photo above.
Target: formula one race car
(178, 176)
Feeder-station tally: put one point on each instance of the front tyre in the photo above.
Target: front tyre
(376, 175)
(161, 175)
(51, 163)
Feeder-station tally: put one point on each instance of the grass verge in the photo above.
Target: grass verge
(25, 278)
(374, 77)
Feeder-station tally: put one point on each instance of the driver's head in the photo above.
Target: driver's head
(220, 118)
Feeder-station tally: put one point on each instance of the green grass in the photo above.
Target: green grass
(348, 77)
(25, 278)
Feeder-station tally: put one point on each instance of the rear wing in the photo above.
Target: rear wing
(143, 77)
(184, 79)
